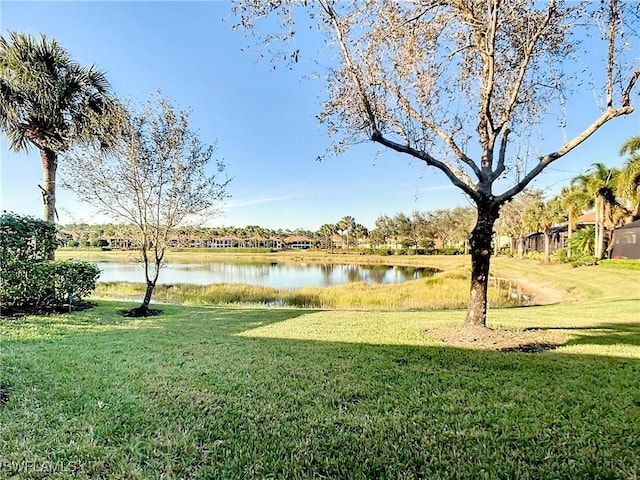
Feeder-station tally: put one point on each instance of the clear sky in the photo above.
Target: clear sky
(262, 119)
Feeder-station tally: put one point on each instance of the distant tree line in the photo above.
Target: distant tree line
(427, 231)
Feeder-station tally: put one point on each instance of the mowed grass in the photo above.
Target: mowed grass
(225, 392)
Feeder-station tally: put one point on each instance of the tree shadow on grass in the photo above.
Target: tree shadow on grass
(185, 383)
(602, 334)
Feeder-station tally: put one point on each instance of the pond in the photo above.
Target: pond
(278, 275)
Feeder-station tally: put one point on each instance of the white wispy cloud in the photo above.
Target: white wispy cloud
(257, 201)
(437, 188)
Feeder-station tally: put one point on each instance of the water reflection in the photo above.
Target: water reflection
(279, 275)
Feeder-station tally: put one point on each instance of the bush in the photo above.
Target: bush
(448, 251)
(621, 263)
(73, 280)
(561, 255)
(99, 242)
(533, 255)
(28, 279)
(584, 260)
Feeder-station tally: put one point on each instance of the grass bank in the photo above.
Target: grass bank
(444, 291)
(218, 392)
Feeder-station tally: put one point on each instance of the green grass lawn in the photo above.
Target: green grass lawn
(224, 392)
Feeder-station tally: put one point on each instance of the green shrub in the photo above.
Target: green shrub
(25, 238)
(28, 278)
(73, 280)
(621, 263)
(448, 251)
(583, 242)
(584, 260)
(561, 255)
(99, 242)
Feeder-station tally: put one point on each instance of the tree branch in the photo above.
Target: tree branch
(546, 160)
(333, 17)
(456, 176)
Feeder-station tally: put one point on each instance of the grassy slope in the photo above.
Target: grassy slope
(253, 393)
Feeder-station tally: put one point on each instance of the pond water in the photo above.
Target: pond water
(279, 275)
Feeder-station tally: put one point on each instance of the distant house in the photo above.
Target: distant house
(336, 241)
(298, 242)
(228, 241)
(626, 241)
(122, 243)
(535, 241)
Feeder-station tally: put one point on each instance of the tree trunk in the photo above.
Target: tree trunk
(49, 166)
(599, 228)
(143, 310)
(147, 295)
(569, 235)
(480, 242)
(520, 247)
(547, 247)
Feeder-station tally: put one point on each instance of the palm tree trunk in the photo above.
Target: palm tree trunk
(49, 166)
(599, 228)
(569, 234)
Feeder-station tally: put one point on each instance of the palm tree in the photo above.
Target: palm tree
(628, 188)
(49, 101)
(360, 233)
(574, 201)
(326, 232)
(600, 184)
(583, 242)
(347, 224)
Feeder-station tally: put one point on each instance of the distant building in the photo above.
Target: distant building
(626, 241)
(298, 242)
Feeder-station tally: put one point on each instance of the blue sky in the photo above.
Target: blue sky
(262, 119)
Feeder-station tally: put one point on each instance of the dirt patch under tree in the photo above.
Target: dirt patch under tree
(484, 338)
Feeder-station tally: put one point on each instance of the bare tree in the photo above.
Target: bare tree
(461, 84)
(156, 177)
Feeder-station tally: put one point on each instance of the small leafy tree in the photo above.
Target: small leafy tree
(156, 177)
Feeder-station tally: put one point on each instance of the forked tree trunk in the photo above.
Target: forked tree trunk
(151, 276)
(480, 242)
(147, 296)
